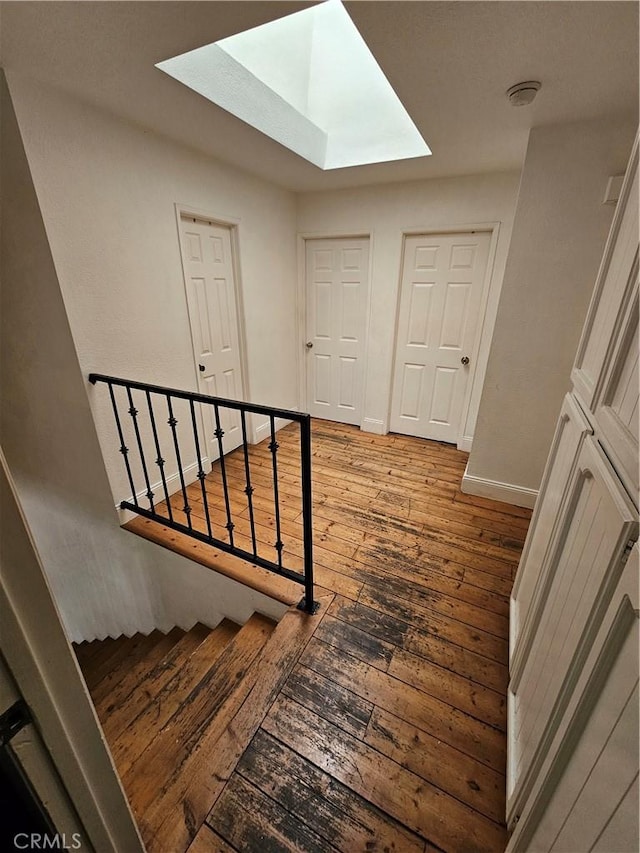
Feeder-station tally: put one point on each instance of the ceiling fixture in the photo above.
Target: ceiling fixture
(310, 82)
(522, 94)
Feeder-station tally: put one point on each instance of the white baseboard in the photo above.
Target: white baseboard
(374, 425)
(264, 430)
(190, 474)
(507, 492)
(465, 443)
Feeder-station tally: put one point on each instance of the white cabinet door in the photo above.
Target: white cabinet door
(337, 277)
(443, 277)
(533, 574)
(211, 299)
(586, 794)
(584, 564)
(611, 295)
(616, 407)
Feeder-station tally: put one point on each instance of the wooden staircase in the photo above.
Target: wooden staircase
(164, 702)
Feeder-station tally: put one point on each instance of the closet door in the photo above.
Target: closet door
(534, 570)
(585, 561)
(615, 412)
(586, 794)
(612, 295)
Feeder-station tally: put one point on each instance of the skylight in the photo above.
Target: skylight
(310, 82)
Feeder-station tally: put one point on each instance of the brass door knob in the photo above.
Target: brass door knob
(465, 359)
(309, 344)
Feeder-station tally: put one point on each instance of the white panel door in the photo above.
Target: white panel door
(337, 274)
(211, 298)
(441, 292)
(532, 576)
(583, 565)
(585, 794)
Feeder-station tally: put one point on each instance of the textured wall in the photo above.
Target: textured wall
(558, 237)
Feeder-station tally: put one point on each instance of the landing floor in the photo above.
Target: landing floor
(387, 727)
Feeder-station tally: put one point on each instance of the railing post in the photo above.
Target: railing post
(307, 604)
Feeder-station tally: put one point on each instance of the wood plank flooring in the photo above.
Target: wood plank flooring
(384, 727)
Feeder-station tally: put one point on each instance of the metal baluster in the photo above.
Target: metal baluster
(249, 488)
(159, 459)
(304, 578)
(307, 602)
(273, 447)
(172, 423)
(201, 474)
(123, 448)
(219, 432)
(134, 417)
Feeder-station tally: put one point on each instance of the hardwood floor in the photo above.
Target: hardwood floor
(379, 724)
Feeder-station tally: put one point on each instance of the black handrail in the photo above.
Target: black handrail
(168, 394)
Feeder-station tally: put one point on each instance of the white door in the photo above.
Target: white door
(577, 580)
(441, 293)
(211, 299)
(337, 274)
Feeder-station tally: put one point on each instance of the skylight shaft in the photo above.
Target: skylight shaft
(310, 82)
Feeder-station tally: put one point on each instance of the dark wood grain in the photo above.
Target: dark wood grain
(346, 820)
(377, 725)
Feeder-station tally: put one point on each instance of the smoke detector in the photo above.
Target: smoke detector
(523, 94)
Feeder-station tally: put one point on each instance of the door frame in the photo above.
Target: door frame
(233, 224)
(40, 659)
(484, 333)
(301, 306)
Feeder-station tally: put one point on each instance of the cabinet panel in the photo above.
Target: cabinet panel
(533, 570)
(583, 797)
(611, 294)
(584, 563)
(616, 407)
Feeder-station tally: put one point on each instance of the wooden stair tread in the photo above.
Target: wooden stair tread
(114, 688)
(130, 649)
(116, 721)
(255, 577)
(216, 759)
(90, 655)
(179, 754)
(185, 673)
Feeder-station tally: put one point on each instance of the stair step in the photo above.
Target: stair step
(157, 781)
(116, 721)
(128, 649)
(187, 674)
(216, 760)
(114, 688)
(91, 655)
(86, 650)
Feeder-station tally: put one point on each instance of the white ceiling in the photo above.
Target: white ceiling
(449, 62)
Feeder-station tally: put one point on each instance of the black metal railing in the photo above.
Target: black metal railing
(142, 426)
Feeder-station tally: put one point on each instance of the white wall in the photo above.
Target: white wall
(91, 280)
(73, 768)
(385, 212)
(107, 191)
(559, 233)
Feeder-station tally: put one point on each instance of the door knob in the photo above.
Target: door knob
(465, 359)
(201, 368)
(309, 344)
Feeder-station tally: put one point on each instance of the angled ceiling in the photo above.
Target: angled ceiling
(449, 62)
